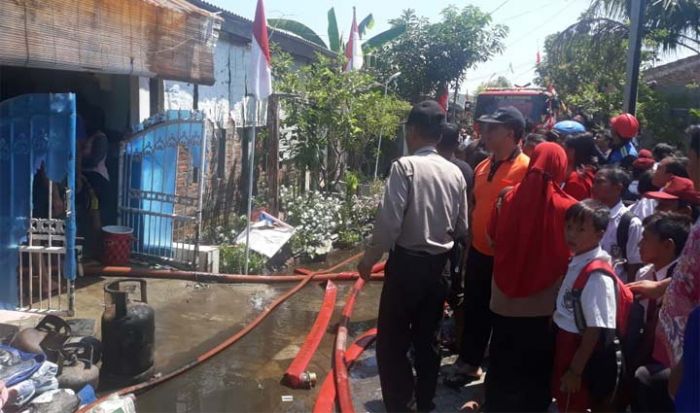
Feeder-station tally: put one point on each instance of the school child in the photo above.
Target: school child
(578, 342)
(664, 237)
(678, 195)
(624, 231)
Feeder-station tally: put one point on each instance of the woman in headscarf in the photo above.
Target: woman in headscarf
(583, 158)
(531, 257)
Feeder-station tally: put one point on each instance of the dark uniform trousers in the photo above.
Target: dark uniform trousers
(521, 355)
(477, 312)
(410, 312)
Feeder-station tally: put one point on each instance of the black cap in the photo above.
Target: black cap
(508, 115)
(427, 114)
(450, 135)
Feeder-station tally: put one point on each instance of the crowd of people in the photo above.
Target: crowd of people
(569, 257)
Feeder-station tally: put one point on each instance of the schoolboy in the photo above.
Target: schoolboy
(586, 223)
(663, 240)
(624, 231)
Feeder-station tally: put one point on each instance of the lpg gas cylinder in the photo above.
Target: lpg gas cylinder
(47, 337)
(128, 334)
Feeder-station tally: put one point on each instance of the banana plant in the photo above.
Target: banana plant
(336, 42)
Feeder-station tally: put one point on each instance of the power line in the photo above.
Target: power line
(499, 7)
(528, 12)
(504, 71)
(566, 6)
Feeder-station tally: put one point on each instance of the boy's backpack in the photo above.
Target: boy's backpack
(623, 232)
(609, 357)
(623, 299)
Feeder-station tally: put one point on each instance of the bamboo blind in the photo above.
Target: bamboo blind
(171, 39)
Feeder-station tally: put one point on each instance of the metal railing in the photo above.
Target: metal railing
(161, 186)
(43, 286)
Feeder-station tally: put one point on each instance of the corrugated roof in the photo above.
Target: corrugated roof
(688, 67)
(242, 27)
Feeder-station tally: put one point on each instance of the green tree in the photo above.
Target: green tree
(499, 82)
(335, 39)
(589, 75)
(432, 56)
(334, 118)
(671, 24)
(587, 71)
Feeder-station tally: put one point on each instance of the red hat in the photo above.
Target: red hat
(625, 125)
(645, 153)
(643, 164)
(677, 189)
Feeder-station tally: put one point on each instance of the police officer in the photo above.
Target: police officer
(423, 211)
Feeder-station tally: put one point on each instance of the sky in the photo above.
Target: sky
(530, 21)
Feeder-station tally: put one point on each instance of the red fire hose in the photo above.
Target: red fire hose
(296, 377)
(341, 372)
(377, 268)
(226, 343)
(196, 276)
(326, 395)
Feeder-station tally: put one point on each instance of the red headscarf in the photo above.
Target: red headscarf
(528, 232)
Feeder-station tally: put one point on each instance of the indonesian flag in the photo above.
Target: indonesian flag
(444, 98)
(259, 71)
(353, 51)
(538, 58)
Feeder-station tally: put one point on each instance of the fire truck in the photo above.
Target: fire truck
(539, 106)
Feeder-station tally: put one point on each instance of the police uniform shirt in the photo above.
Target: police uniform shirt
(424, 206)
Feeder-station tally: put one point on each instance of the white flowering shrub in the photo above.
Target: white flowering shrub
(316, 217)
(224, 235)
(325, 219)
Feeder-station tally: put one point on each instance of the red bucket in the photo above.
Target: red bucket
(116, 244)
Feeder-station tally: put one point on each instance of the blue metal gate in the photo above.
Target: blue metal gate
(161, 186)
(37, 224)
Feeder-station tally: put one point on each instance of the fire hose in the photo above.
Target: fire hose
(296, 376)
(326, 395)
(375, 269)
(226, 343)
(197, 276)
(341, 371)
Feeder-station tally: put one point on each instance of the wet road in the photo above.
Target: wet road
(246, 377)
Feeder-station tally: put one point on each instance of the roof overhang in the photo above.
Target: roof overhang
(241, 28)
(171, 39)
(685, 70)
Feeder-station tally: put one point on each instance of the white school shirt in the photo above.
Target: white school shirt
(609, 241)
(648, 273)
(598, 299)
(643, 208)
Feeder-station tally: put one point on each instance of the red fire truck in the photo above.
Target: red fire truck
(539, 106)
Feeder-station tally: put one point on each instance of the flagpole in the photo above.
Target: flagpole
(251, 177)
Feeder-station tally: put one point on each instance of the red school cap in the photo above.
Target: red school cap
(677, 189)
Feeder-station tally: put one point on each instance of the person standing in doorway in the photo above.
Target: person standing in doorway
(506, 167)
(423, 212)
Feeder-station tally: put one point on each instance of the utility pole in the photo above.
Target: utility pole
(634, 56)
(379, 141)
(273, 129)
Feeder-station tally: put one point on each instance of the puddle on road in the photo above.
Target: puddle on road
(246, 377)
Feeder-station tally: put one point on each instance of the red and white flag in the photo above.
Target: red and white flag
(444, 98)
(260, 70)
(353, 51)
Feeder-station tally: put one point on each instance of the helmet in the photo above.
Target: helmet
(625, 125)
(569, 127)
